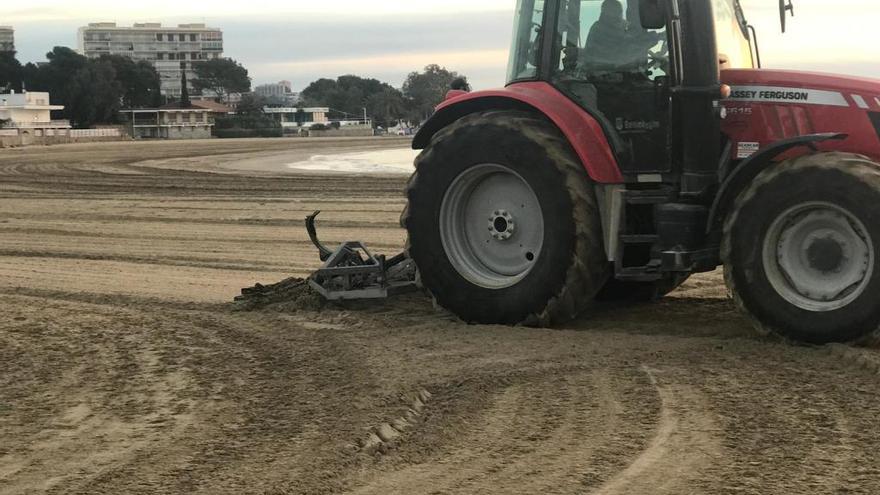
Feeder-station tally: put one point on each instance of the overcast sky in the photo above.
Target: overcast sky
(302, 40)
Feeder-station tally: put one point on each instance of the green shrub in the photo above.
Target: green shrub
(247, 126)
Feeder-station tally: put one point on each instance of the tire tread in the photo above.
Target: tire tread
(859, 167)
(583, 280)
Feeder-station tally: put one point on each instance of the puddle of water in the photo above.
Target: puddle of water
(370, 162)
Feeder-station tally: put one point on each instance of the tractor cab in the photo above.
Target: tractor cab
(600, 55)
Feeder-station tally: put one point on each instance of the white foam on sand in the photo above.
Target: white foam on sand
(370, 162)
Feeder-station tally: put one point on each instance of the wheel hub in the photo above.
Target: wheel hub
(819, 257)
(501, 225)
(491, 226)
(826, 254)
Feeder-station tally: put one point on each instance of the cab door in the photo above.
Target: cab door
(618, 71)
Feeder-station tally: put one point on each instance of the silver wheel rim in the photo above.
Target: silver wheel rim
(818, 257)
(491, 226)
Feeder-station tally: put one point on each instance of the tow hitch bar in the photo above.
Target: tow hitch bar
(352, 272)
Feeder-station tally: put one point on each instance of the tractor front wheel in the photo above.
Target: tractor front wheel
(503, 223)
(802, 248)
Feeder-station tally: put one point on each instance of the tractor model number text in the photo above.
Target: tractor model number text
(740, 110)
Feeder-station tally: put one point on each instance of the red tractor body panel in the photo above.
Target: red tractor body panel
(767, 106)
(584, 132)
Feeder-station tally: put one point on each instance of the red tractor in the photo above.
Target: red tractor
(635, 144)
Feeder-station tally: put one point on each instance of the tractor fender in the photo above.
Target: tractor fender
(750, 168)
(582, 130)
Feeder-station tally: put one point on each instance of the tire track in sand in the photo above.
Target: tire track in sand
(538, 435)
(686, 440)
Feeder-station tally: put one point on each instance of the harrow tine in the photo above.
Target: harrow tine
(323, 251)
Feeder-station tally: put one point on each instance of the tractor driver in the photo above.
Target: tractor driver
(616, 45)
(606, 43)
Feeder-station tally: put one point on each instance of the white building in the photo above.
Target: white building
(292, 119)
(170, 49)
(27, 118)
(7, 39)
(29, 110)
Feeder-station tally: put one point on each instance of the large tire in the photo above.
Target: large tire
(570, 266)
(801, 249)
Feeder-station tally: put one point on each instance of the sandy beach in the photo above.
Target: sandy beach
(125, 367)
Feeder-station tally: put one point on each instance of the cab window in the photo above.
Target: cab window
(525, 52)
(602, 36)
(734, 51)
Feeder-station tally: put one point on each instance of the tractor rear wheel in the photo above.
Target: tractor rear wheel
(503, 222)
(802, 249)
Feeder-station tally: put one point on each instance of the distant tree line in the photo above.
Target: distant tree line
(386, 105)
(348, 97)
(93, 91)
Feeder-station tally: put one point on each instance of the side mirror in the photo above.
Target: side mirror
(652, 14)
(785, 6)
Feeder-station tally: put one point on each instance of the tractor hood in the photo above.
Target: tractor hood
(784, 86)
(767, 106)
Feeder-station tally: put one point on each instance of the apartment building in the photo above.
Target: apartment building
(7, 39)
(282, 88)
(278, 93)
(171, 50)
